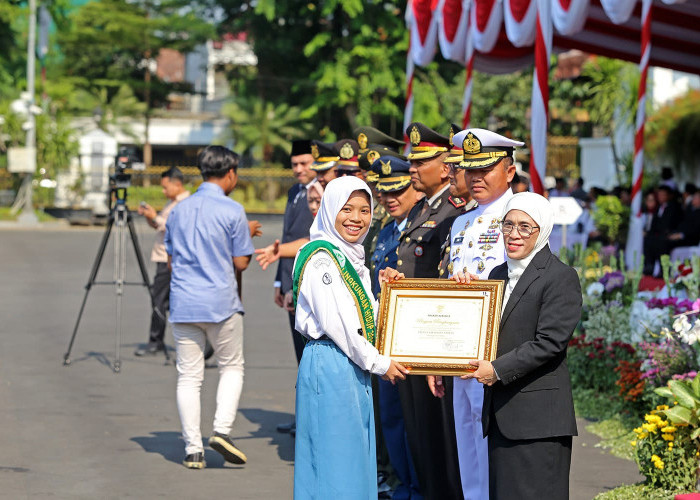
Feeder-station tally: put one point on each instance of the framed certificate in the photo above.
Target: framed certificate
(436, 326)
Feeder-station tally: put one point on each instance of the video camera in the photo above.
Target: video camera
(125, 158)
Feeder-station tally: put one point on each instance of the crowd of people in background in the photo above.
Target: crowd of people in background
(671, 217)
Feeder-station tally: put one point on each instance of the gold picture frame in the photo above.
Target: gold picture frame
(436, 326)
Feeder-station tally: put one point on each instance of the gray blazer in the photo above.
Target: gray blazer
(533, 399)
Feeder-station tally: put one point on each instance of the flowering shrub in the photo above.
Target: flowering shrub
(645, 319)
(592, 363)
(688, 332)
(595, 289)
(686, 279)
(613, 281)
(665, 453)
(663, 360)
(630, 380)
(685, 376)
(678, 306)
(592, 259)
(609, 321)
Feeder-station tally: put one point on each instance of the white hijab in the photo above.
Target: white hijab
(335, 196)
(541, 211)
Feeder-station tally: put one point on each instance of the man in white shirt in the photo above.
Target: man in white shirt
(172, 182)
(477, 247)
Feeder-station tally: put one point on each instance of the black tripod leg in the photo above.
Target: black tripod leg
(91, 281)
(137, 250)
(144, 272)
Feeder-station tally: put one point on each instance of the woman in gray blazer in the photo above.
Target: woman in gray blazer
(528, 412)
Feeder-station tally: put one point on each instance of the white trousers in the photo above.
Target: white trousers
(472, 446)
(190, 339)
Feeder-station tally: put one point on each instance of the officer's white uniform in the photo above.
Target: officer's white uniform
(476, 247)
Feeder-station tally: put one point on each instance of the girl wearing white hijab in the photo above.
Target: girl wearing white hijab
(335, 454)
(528, 412)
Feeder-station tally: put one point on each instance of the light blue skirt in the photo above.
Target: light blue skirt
(335, 455)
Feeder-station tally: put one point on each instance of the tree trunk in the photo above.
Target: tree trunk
(616, 159)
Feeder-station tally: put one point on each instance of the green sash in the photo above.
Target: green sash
(362, 301)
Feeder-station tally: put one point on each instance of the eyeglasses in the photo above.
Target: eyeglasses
(525, 230)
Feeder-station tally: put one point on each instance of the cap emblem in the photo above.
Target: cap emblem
(362, 141)
(346, 152)
(471, 144)
(452, 134)
(415, 136)
(386, 167)
(314, 151)
(372, 156)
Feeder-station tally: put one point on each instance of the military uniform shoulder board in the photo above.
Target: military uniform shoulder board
(457, 202)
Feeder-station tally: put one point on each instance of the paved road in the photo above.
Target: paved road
(83, 432)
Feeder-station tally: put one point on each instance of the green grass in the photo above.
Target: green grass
(5, 215)
(615, 435)
(596, 405)
(637, 492)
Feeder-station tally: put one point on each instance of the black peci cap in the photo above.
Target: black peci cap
(301, 147)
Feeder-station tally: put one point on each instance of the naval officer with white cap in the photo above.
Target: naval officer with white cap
(476, 247)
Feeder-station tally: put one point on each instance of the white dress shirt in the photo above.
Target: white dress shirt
(326, 307)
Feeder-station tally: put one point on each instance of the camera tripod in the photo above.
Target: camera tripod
(120, 218)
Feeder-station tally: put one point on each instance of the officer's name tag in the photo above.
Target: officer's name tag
(458, 240)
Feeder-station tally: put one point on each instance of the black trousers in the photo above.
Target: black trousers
(531, 469)
(430, 428)
(160, 301)
(297, 338)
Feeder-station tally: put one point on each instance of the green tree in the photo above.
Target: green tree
(503, 102)
(56, 144)
(11, 59)
(672, 132)
(342, 61)
(112, 42)
(108, 109)
(259, 128)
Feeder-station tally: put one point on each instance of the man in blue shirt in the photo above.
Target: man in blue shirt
(209, 245)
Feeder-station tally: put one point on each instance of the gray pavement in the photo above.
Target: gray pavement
(84, 432)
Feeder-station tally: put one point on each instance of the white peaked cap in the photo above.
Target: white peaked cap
(487, 138)
(483, 148)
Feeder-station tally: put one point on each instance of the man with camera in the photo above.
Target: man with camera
(172, 182)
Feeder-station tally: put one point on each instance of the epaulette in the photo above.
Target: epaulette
(470, 206)
(457, 202)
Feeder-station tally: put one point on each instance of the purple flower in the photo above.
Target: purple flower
(613, 280)
(685, 376)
